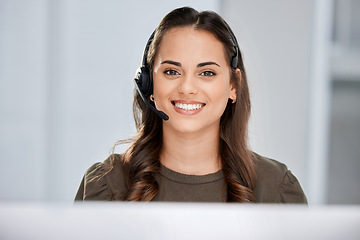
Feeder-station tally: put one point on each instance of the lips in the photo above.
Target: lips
(187, 107)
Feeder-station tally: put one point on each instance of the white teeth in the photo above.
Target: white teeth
(188, 107)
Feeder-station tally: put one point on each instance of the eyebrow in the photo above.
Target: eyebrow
(172, 63)
(207, 63)
(199, 65)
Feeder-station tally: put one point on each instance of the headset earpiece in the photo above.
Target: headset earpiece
(143, 75)
(143, 80)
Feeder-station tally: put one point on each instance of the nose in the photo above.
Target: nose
(188, 85)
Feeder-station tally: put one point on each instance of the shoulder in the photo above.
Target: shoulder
(103, 180)
(276, 183)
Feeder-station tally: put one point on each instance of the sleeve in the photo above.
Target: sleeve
(94, 185)
(80, 193)
(290, 190)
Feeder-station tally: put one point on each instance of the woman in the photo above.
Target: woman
(191, 110)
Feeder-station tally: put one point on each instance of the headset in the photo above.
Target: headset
(143, 80)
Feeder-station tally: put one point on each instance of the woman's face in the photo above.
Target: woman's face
(191, 80)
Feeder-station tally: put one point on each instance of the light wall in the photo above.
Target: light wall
(285, 46)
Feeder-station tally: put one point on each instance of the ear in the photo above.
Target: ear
(233, 86)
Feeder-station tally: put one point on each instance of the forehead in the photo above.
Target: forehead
(184, 42)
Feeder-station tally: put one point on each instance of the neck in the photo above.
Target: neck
(191, 153)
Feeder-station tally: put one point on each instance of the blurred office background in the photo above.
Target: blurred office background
(66, 70)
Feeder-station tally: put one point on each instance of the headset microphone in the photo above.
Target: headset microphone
(159, 113)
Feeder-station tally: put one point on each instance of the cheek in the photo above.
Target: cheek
(221, 92)
(223, 97)
(161, 89)
(156, 84)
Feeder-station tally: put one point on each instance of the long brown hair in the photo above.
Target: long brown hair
(141, 160)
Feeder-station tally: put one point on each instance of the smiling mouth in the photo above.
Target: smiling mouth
(188, 107)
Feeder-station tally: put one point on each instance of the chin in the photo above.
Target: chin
(187, 126)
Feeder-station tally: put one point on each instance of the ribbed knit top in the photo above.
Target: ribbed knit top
(190, 179)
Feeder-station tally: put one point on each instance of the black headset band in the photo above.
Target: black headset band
(146, 51)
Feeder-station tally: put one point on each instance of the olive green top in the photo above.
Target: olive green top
(275, 184)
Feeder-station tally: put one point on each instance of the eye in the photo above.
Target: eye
(171, 72)
(207, 74)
